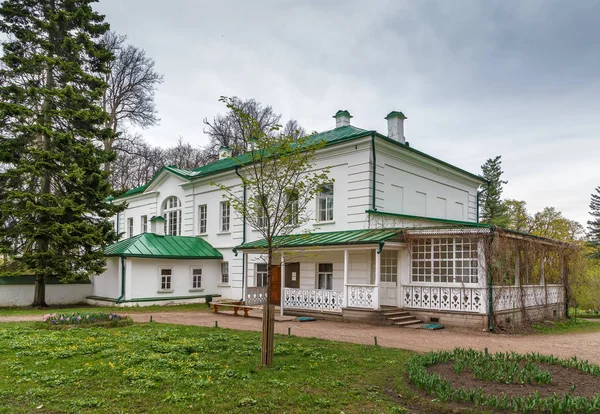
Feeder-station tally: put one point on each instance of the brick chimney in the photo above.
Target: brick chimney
(342, 118)
(396, 126)
(225, 152)
(157, 225)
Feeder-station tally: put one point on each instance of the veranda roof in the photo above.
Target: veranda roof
(154, 246)
(332, 238)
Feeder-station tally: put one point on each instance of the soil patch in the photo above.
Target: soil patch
(563, 379)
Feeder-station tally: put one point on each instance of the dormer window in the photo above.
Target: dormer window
(172, 213)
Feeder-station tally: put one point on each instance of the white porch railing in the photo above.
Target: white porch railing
(256, 295)
(363, 296)
(313, 299)
(515, 297)
(444, 298)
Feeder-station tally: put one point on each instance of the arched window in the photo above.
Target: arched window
(171, 210)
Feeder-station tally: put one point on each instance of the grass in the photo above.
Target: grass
(194, 307)
(159, 368)
(566, 327)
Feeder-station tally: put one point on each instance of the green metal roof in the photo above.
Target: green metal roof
(394, 114)
(342, 112)
(332, 238)
(333, 136)
(434, 219)
(163, 247)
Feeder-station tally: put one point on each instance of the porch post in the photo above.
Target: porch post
(282, 278)
(245, 278)
(377, 279)
(346, 262)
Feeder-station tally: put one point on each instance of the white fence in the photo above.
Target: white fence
(256, 295)
(56, 294)
(313, 299)
(363, 296)
(445, 298)
(515, 297)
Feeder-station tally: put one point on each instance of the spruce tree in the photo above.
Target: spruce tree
(54, 208)
(493, 210)
(594, 225)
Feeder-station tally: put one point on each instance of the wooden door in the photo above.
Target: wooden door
(276, 285)
(292, 275)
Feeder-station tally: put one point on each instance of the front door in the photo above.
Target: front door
(276, 285)
(292, 275)
(388, 293)
(388, 282)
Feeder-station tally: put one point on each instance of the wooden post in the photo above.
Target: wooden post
(282, 278)
(346, 264)
(377, 279)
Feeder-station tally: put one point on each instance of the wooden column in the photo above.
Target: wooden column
(346, 264)
(377, 279)
(282, 284)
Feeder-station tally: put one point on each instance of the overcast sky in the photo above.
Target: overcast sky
(476, 79)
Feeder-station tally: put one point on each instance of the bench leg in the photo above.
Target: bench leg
(235, 311)
(246, 312)
(215, 308)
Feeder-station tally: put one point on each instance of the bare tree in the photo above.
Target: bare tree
(235, 131)
(132, 81)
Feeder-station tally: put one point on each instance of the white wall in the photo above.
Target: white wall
(107, 284)
(63, 294)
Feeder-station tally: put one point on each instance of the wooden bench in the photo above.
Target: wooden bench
(236, 306)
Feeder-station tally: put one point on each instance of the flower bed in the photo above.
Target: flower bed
(58, 320)
(508, 381)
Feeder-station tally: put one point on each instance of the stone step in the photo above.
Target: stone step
(401, 318)
(407, 323)
(394, 313)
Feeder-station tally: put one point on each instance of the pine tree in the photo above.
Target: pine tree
(54, 208)
(594, 225)
(493, 210)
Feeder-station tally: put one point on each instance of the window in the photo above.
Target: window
(261, 275)
(325, 276)
(225, 272)
(202, 219)
(172, 215)
(144, 221)
(445, 260)
(130, 227)
(325, 203)
(292, 208)
(165, 279)
(196, 278)
(389, 266)
(261, 207)
(225, 216)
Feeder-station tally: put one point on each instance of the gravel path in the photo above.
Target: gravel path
(584, 345)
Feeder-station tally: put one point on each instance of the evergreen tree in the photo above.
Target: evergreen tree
(594, 225)
(53, 208)
(492, 208)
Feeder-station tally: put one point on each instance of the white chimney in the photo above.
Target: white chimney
(157, 225)
(342, 118)
(225, 152)
(396, 126)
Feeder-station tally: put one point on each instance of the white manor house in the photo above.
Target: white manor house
(394, 237)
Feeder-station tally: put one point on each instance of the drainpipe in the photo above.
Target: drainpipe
(380, 247)
(120, 298)
(490, 284)
(479, 193)
(374, 207)
(243, 236)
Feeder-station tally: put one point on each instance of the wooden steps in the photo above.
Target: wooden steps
(400, 317)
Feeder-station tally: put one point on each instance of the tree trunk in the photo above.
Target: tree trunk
(268, 320)
(39, 295)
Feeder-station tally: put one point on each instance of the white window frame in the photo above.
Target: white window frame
(325, 204)
(172, 215)
(444, 261)
(224, 273)
(144, 224)
(196, 279)
(225, 216)
(130, 227)
(202, 218)
(293, 214)
(326, 275)
(261, 275)
(165, 282)
(389, 266)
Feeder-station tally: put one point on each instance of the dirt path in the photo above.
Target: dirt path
(583, 345)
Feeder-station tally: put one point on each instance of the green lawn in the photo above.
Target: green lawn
(570, 326)
(195, 307)
(163, 368)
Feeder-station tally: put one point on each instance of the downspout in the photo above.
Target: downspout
(380, 247)
(243, 236)
(490, 284)
(120, 298)
(479, 193)
(373, 206)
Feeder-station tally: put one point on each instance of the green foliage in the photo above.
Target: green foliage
(493, 210)
(507, 367)
(173, 369)
(594, 224)
(518, 217)
(53, 192)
